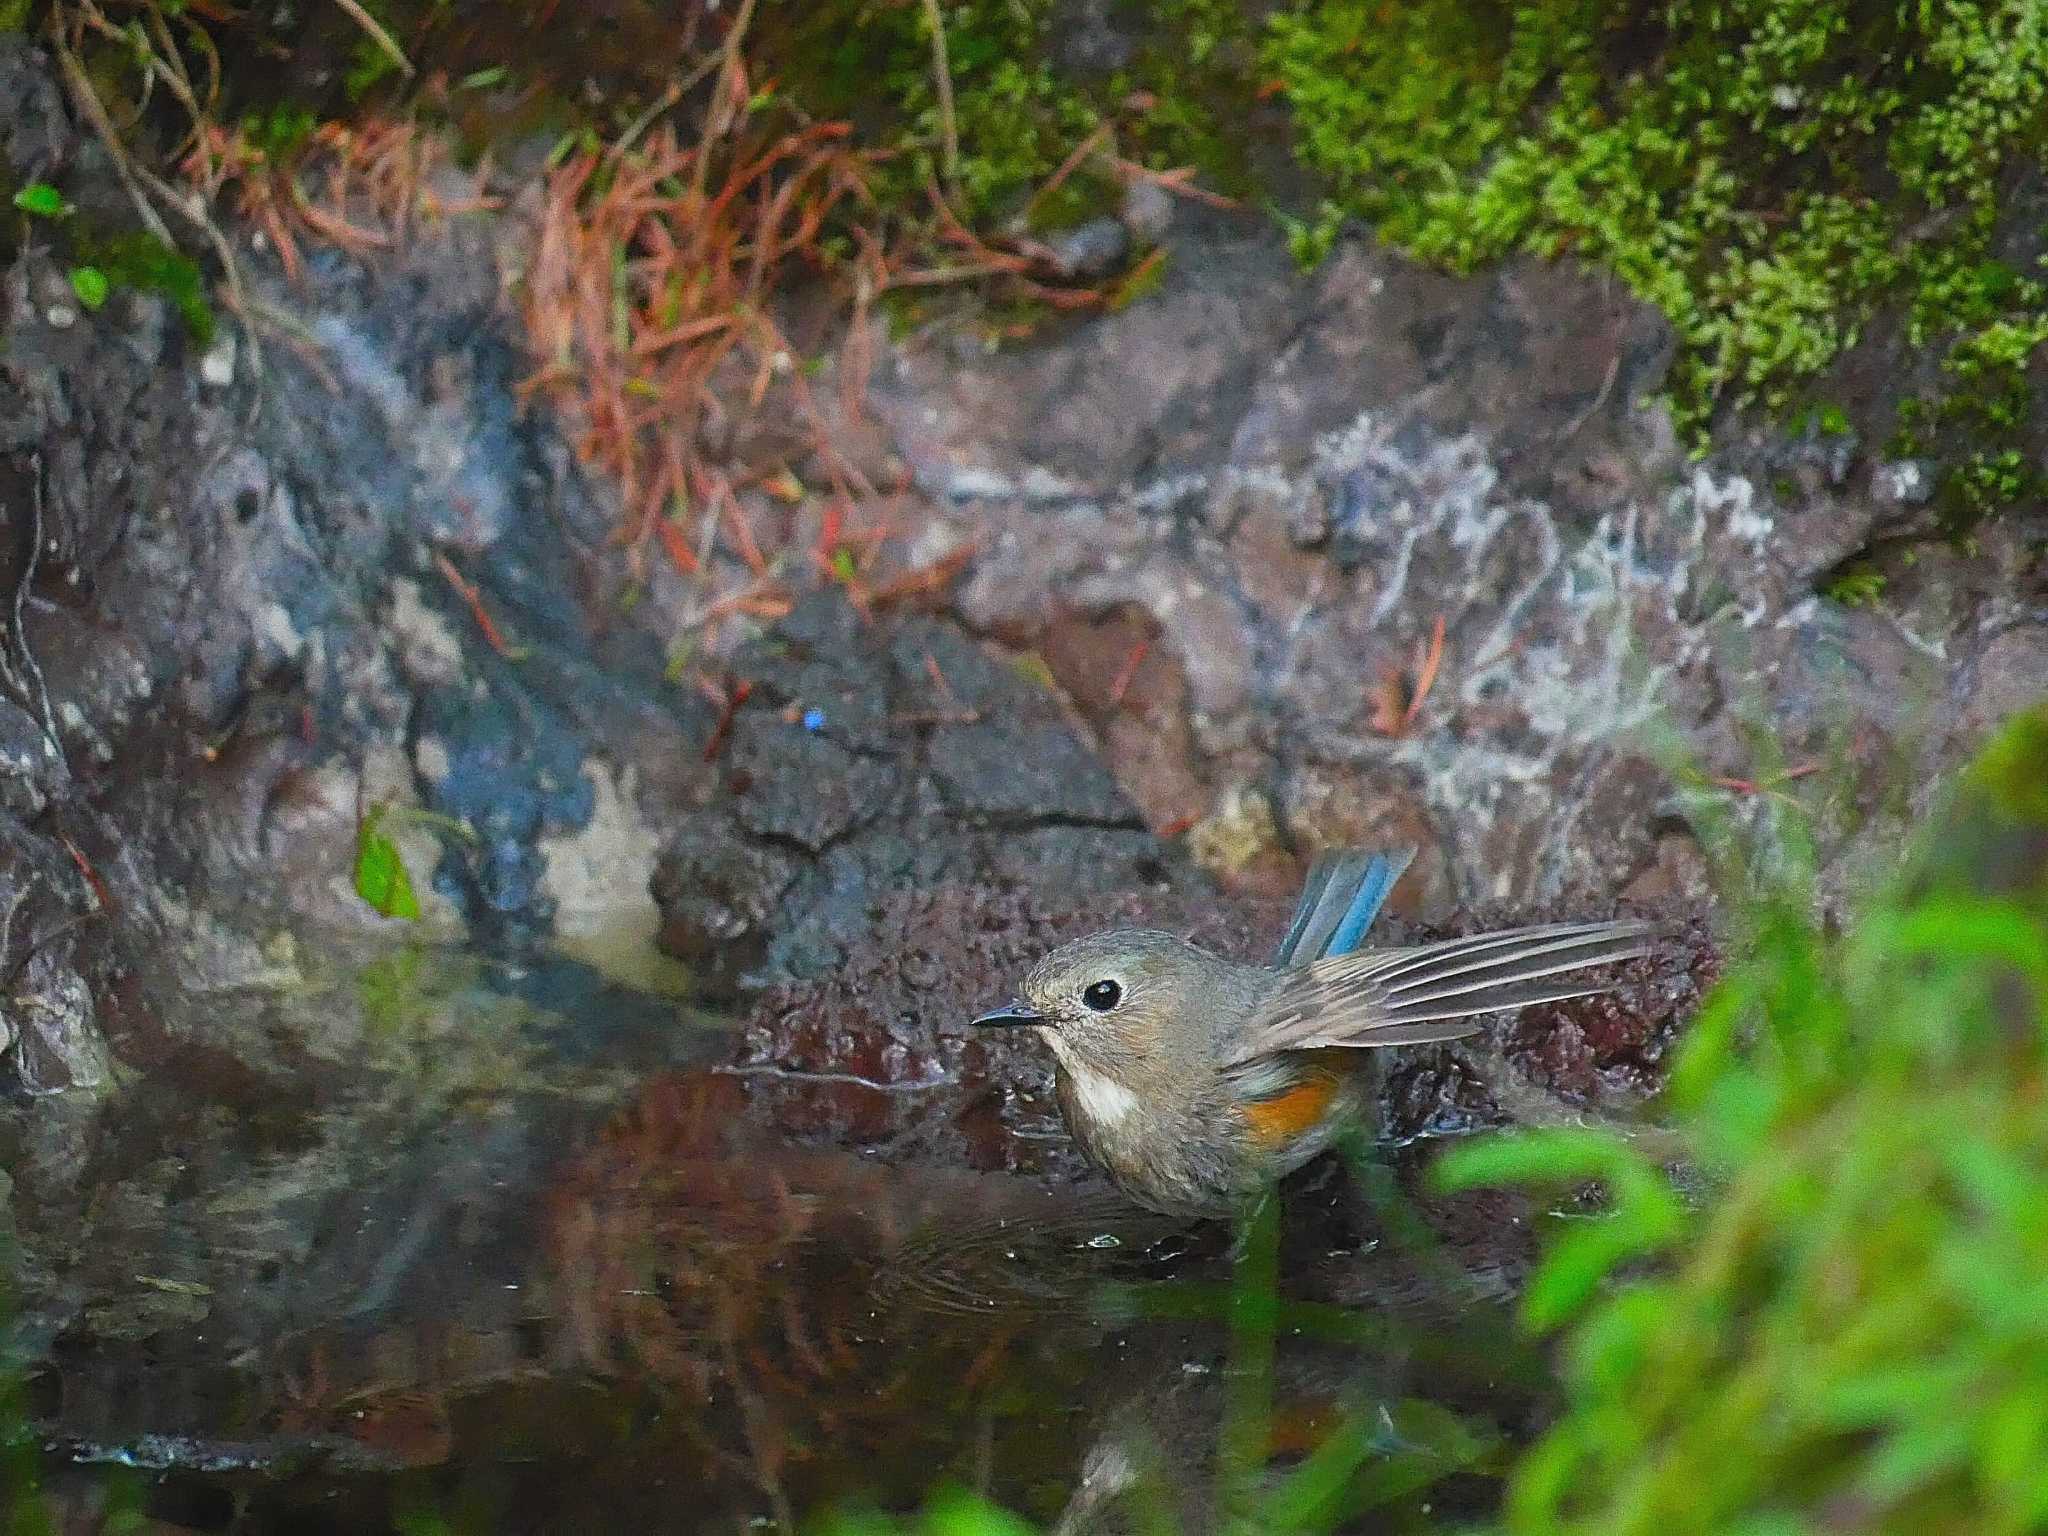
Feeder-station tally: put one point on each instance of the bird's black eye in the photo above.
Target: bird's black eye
(1102, 995)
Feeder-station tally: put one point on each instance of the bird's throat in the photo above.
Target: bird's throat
(1099, 1095)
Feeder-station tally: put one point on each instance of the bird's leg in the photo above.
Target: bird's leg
(1249, 1222)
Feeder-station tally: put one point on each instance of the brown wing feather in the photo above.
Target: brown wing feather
(1432, 992)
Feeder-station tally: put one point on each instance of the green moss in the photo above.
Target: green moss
(1181, 100)
(1081, 197)
(279, 132)
(99, 262)
(871, 61)
(1976, 421)
(1860, 586)
(141, 261)
(1197, 71)
(1310, 240)
(2012, 778)
(1772, 175)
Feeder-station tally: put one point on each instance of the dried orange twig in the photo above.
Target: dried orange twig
(951, 711)
(1395, 704)
(925, 581)
(678, 550)
(1071, 164)
(472, 595)
(1425, 677)
(338, 230)
(736, 694)
(761, 598)
(650, 286)
(1756, 786)
(1180, 181)
(92, 878)
(1128, 673)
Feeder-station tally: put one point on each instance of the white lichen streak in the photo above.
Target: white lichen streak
(1578, 687)
(1734, 502)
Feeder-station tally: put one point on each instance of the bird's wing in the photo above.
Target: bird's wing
(1343, 894)
(1431, 992)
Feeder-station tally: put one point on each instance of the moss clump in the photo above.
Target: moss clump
(141, 261)
(1180, 99)
(1197, 74)
(1771, 175)
(871, 61)
(1861, 586)
(100, 262)
(1978, 422)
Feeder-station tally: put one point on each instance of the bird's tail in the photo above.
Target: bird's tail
(1343, 894)
(1433, 992)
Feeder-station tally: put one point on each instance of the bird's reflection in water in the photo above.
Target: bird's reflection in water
(831, 1313)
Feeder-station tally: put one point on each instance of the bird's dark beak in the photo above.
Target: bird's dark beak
(1014, 1014)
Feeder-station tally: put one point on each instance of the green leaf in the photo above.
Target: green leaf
(1578, 1263)
(42, 200)
(1644, 1215)
(956, 1513)
(1558, 1156)
(381, 878)
(91, 286)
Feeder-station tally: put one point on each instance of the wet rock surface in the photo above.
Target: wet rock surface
(1224, 523)
(873, 759)
(1289, 502)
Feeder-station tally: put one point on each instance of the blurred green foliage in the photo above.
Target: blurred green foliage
(1852, 1332)
(21, 1511)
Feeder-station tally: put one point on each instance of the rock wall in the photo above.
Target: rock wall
(255, 602)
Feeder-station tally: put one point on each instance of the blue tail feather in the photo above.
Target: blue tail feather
(1343, 895)
(1311, 897)
(1380, 876)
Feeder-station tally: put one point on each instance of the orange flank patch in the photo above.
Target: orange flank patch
(1296, 1111)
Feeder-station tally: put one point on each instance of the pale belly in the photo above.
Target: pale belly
(1203, 1158)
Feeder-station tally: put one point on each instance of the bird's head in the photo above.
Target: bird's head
(1130, 1002)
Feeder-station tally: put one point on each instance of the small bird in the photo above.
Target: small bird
(1194, 1082)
